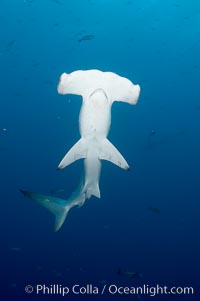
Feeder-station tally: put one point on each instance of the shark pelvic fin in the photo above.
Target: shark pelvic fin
(56, 205)
(96, 191)
(109, 152)
(78, 151)
(92, 190)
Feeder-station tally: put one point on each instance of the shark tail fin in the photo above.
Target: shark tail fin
(78, 151)
(109, 152)
(56, 205)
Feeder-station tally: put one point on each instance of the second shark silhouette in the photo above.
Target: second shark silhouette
(99, 90)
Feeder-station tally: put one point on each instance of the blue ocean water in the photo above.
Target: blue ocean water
(147, 220)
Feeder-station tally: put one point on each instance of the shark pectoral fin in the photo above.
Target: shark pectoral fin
(78, 151)
(109, 152)
(57, 206)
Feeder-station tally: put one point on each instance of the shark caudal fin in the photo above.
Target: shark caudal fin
(56, 205)
(109, 152)
(78, 151)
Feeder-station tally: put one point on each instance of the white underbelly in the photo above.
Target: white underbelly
(95, 116)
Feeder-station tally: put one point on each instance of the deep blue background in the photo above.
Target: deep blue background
(152, 42)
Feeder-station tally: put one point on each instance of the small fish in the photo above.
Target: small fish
(152, 133)
(55, 24)
(9, 45)
(58, 274)
(130, 274)
(39, 268)
(15, 249)
(154, 210)
(35, 64)
(106, 227)
(86, 38)
(28, 2)
(102, 281)
(13, 285)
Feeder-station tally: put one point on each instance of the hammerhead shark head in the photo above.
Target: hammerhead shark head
(99, 90)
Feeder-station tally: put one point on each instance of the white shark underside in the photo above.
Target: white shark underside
(98, 90)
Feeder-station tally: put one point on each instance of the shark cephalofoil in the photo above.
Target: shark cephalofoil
(98, 90)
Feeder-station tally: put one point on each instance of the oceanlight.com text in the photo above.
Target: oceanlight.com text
(109, 289)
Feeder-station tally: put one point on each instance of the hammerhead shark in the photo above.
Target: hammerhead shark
(98, 90)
